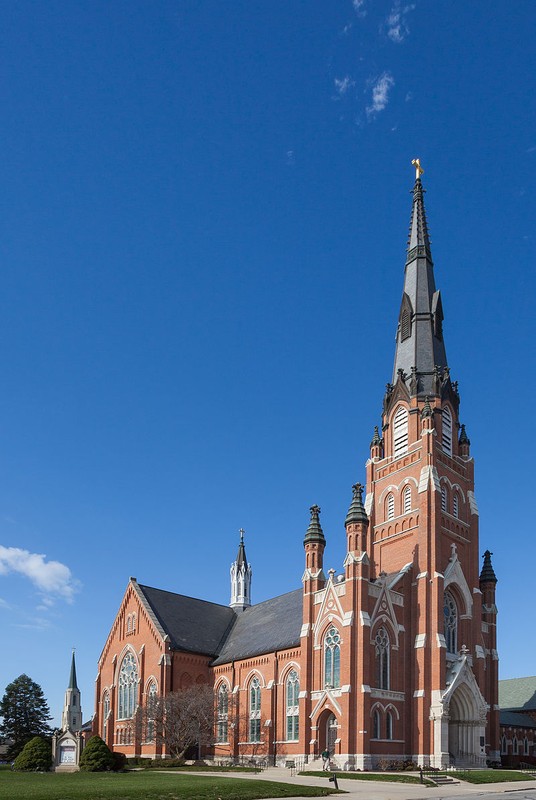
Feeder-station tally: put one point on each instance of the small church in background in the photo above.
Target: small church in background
(392, 657)
(68, 743)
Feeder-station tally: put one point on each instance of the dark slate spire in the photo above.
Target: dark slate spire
(356, 512)
(241, 560)
(376, 439)
(314, 532)
(488, 573)
(419, 339)
(72, 677)
(464, 439)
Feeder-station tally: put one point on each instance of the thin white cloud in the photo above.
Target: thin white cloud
(359, 7)
(343, 84)
(531, 149)
(380, 94)
(396, 22)
(4, 603)
(51, 578)
(291, 158)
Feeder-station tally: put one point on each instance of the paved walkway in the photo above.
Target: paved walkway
(382, 790)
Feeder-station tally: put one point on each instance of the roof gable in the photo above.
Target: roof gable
(518, 694)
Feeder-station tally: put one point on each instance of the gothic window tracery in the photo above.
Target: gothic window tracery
(451, 623)
(151, 710)
(406, 500)
(382, 646)
(292, 709)
(388, 725)
(223, 713)
(105, 714)
(400, 432)
(332, 658)
(376, 725)
(255, 710)
(128, 686)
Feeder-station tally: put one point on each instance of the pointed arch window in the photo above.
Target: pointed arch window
(292, 694)
(332, 658)
(406, 500)
(151, 710)
(389, 725)
(451, 623)
(223, 714)
(456, 504)
(128, 686)
(515, 748)
(525, 746)
(390, 506)
(400, 432)
(255, 710)
(376, 725)
(504, 745)
(382, 646)
(444, 498)
(446, 431)
(105, 714)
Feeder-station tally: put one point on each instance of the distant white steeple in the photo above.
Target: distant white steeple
(71, 718)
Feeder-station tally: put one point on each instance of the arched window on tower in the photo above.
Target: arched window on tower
(390, 506)
(444, 498)
(128, 687)
(400, 432)
(446, 428)
(332, 658)
(376, 725)
(389, 725)
(406, 500)
(504, 745)
(151, 710)
(293, 719)
(456, 504)
(105, 714)
(382, 646)
(255, 710)
(405, 325)
(451, 623)
(223, 713)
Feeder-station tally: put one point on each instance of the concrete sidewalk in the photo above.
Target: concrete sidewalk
(383, 790)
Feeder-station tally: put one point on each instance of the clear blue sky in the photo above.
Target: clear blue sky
(204, 211)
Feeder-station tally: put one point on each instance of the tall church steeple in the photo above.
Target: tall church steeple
(71, 718)
(420, 351)
(241, 578)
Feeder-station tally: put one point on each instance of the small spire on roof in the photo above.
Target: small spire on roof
(72, 677)
(314, 532)
(356, 512)
(464, 439)
(488, 573)
(376, 439)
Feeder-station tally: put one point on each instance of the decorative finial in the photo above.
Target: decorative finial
(241, 532)
(418, 169)
(331, 573)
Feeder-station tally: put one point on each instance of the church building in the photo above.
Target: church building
(393, 659)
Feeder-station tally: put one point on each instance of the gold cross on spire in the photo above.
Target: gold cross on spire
(418, 169)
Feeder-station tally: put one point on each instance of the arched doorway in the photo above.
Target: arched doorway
(465, 728)
(332, 730)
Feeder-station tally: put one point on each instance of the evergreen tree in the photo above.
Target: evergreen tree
(35, 755)
(25, 713)
(96, 756)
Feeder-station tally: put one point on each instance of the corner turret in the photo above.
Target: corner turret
(241, 573)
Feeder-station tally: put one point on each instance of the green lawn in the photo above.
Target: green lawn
(491, 776)
(142, 786)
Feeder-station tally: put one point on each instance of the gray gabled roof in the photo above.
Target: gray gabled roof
(514, 719)
(193, 625)
(265, 628)
(518, 694)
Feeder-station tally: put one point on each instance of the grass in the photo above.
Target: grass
(491, 776)
(143, 786)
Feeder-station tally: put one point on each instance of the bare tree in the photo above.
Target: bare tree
(181, 719)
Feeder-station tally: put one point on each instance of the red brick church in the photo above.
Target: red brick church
(393, 658)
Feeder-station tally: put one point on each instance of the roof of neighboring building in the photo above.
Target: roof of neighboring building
(518, 694)
(196, 626)
(265, 628)
(514, 719)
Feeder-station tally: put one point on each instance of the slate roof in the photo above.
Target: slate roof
(197, 626)
(518, 694)
(265, 628)
(193, 625)
(514, 719)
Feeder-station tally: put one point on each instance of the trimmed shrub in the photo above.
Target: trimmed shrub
(96, 756)
(36, 755)
(120, 761)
